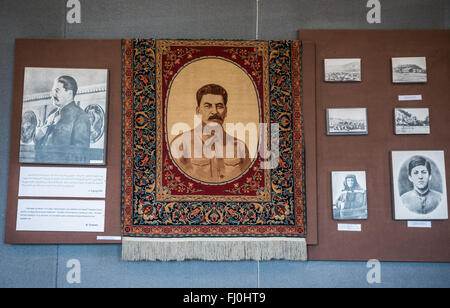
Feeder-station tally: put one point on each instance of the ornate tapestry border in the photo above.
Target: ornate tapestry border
(163, 45)
(128, 190)
(299, 150)
(127, 132)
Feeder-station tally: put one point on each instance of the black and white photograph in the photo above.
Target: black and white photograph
(409, 70)
(420, 190)
(342, 70)
(349, 192)
(412, 121)
(347, 121)
(64, 115)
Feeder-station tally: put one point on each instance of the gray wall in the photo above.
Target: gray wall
(45, 266)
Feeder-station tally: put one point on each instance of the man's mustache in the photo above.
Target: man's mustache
(215, 117)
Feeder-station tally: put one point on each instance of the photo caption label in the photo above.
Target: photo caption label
(62, 182)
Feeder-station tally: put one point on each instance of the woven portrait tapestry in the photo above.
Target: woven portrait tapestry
(213, 152)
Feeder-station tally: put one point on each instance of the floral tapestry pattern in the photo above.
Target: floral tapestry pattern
(158, 199)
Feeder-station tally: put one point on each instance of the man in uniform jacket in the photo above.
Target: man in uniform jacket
(421, 199)
(215, 168)
(65, 136)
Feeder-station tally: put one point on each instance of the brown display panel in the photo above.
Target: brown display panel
(70, 53)
(381, 237)
(59, 53)
(309, 128)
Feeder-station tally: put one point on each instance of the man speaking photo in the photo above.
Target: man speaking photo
(65, 135)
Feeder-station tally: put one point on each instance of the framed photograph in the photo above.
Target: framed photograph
(347, 121)
(419, 186)
(409, 70)
(412, 121)
(64, 116)
(349, 192)
(342, 70)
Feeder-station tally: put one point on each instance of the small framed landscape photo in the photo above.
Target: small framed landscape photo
(342, 70)
(412, 121)
(347, 121)
(419, 186)
(349, 195)
(409, 70)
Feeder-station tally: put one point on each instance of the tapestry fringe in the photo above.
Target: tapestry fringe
(213, 249)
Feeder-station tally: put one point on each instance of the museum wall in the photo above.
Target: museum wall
(101, 265)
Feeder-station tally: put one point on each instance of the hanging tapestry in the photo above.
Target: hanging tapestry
(213, 153)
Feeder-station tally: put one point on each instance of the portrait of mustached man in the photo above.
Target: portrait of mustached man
(64, 137)
(215, 165)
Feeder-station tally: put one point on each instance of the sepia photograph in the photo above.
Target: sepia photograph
(412, 121)
(216, 99)
(347, 121)
(409, 70)
(419, 184)
(349, 191)
(342, 70)
(64, 113)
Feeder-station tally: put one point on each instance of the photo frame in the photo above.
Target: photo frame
(64, 116)
(412, 121)
(419, 185)
(409, 70)
(349, 193)
(347, 121)
(342, 70)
